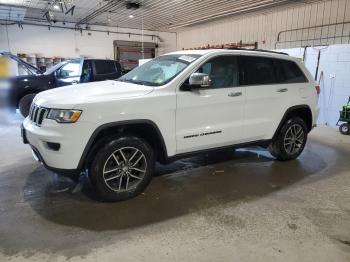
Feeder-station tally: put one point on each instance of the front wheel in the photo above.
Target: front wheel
(25, 103)
(290, 142)
(122, 168)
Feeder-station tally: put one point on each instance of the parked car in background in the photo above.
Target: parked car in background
(25, 88)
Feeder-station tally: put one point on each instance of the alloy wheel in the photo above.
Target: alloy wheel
(294, 139)
(124, 169)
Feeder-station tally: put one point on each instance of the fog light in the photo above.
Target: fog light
(53, 146)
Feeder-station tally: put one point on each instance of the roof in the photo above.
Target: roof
(236, 51)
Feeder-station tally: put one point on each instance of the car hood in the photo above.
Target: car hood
(74, 96)
(28, 80)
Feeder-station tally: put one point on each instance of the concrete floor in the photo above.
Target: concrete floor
(228, 206)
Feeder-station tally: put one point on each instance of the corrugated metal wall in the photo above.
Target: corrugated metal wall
(318, 23)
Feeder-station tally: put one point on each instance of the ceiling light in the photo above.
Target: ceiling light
(56, 7)
(131, 16)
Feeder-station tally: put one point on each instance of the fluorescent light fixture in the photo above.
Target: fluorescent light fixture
(56, 7)
(131, 16)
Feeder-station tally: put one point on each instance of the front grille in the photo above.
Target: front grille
(37, 114)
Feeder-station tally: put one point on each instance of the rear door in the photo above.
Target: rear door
(105, 69)
(272, 86)
(211, 117)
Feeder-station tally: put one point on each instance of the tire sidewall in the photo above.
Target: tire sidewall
(96, 168)
(24, 104)
(279, 144)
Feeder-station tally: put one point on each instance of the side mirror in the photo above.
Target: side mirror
(199, 80)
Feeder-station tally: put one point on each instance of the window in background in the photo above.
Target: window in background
(72, 69)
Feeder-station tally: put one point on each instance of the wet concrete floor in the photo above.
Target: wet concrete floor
(227, 206)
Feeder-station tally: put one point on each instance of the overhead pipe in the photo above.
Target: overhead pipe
(99, 11)
(81, 29)
(307, 28)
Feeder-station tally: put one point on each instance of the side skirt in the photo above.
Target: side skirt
(261, 143)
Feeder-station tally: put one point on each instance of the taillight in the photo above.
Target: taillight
(318, 89)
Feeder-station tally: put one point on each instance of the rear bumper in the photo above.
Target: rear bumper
(315, 115)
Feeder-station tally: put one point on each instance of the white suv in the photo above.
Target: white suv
(173, 106)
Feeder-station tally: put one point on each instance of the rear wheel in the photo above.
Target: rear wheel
(345, 129)
(24, 104)
(122, 168)
(290, 142)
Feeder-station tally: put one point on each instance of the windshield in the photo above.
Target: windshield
(54, 68)
(159, 71)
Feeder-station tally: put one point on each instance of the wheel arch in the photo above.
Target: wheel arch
(302, 111)
(143, 128)
(27, 92)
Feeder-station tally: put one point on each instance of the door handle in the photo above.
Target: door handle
(282, 90)
(235, 94)
(75, 82)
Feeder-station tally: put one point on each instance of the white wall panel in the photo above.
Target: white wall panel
(264, 27)
(70, 43)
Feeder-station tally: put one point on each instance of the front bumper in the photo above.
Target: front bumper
(65, 172)
(72, 139)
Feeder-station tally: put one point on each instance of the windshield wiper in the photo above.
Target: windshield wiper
(138, 82)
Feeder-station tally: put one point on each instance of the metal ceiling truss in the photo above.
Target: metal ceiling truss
(105, 8)
(64, 6)
(161, 15)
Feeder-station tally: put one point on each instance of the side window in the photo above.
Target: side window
(86, 74)
(223, 71)
(86, 68)
(105, 67)
(289, 72)
(258, 70)
(72, 69)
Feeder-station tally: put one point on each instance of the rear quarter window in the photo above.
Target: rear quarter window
(289, 72)
(105, 67)
(259, 70)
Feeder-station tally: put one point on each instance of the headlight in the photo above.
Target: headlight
(64, 116)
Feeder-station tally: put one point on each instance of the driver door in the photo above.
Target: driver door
(69, 73)
(212, 117)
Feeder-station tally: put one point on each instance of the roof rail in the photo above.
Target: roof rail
(258, 50)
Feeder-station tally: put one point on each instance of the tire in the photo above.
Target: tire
(24, 104)
(122, 168)
(345, 129)
(290, 142)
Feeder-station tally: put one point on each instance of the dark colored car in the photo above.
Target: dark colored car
(65, 73)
